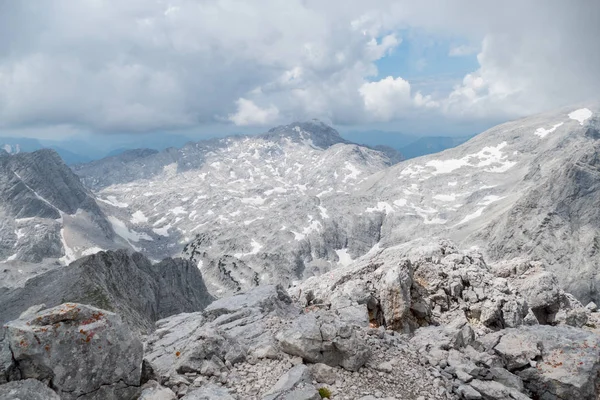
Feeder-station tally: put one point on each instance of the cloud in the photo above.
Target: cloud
(385, 98)
(462, 50)
(249, 114)
(115, 66)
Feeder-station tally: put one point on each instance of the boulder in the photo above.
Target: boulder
(554, 362)
(28, 389)
(86, 352)
(542, 293)
(293, 385)
(319, 338)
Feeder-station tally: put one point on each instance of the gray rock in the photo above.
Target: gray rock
(556, 362)
(318, 338)
(128, 284)
(209, 392)
(517, 349)
(290, 386)
(496, 390)
(86, 352)
(153, 391)
(506, 378)
(323, 373)
(468, 393)
(591, 306)
(28, 389)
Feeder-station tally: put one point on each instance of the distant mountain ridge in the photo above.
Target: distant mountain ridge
(299, 209)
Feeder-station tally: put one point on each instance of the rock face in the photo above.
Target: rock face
(82, 351)
(45, 209)
(129, 284)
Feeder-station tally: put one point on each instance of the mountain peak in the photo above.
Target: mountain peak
(320, 134)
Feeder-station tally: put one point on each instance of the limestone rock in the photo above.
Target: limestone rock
(86, 353)
(318, 338)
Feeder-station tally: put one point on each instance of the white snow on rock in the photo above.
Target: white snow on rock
(581, 115)
(128, 234)
(541, 132)
(255, 249)
(344, 258)
(138, 217)
(472, 216)
(382, 206)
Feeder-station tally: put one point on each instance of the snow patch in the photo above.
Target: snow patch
(255, 201)
(324, 213)
(541, 132)
(343, 257)
(178, 211)
(581, 115)
(163, 231)
(121, 229)
(138, 217)
(474, 215)
(255, 249)
(445, 197)
(382, 206)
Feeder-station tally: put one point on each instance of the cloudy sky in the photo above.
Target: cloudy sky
(425, 67)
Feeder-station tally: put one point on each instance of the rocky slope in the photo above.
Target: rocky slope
(249, 207)
(129, 284)
(409, 322)
(299, 200)
(46, 214)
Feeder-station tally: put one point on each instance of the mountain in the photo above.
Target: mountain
(47, 214)
(141, 292)
(258, 197)
(300, 200)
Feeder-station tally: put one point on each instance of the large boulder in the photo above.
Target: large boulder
(559, 362)
(85, 352)
(320, 338)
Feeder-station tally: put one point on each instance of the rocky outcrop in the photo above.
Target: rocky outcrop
(403, 293)
(82, 352)
(39, 196)
(259, 345)
(128, 284)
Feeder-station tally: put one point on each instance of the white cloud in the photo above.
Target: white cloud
(462, 50)
(386, 98)
(144, 66)
(249, 114)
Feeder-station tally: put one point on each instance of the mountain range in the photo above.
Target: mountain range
(303, 259)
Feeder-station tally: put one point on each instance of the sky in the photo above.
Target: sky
(74, 67)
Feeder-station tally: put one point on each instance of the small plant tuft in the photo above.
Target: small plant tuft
(324, 393)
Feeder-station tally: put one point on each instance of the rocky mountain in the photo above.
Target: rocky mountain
(129, 284)
(406, 322)
(254, 200)
(300, 200)
(46, 213)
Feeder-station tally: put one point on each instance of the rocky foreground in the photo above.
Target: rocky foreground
(426, 323)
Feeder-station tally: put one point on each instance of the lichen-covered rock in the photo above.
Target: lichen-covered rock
(86, 352)
(28, 389)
